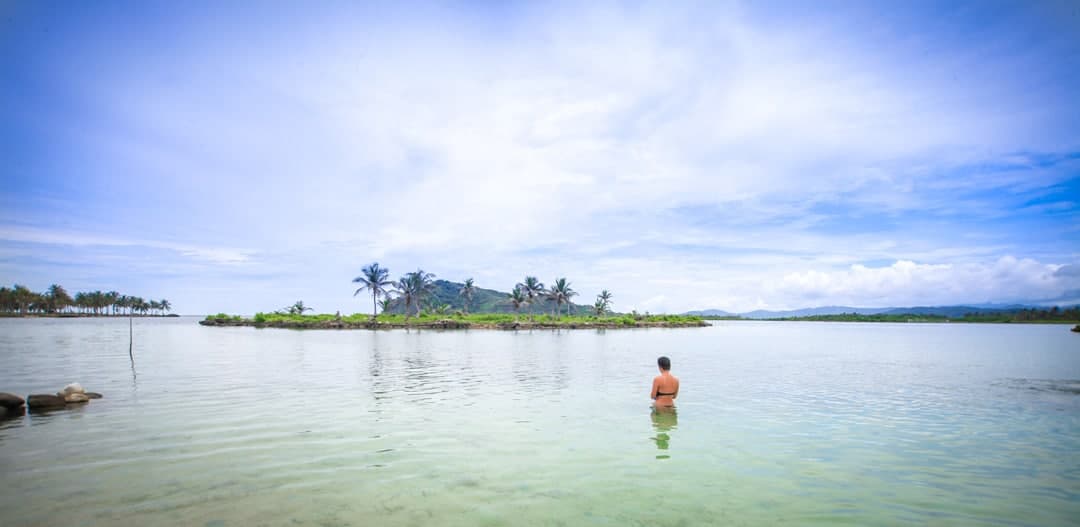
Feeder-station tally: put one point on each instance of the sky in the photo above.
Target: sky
(238, 157)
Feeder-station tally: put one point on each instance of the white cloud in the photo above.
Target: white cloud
(906, 283)
(507, 142)
(213, 255)
(590, 137)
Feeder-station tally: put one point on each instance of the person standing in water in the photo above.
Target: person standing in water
(665, 387)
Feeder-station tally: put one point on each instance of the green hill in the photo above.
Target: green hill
(484, 301)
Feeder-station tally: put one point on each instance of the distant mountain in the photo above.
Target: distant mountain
(948, 311)
(711, 313)
(826, 310)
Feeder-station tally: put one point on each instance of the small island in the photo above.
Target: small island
(453, 321)
(417, 300)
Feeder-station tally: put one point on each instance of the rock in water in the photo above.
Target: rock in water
(7, 413)
(38, 402)
(76, 398)
(73, 388)
(94, 395)
(11, 401)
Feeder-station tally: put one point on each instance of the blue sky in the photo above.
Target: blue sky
(734, 155)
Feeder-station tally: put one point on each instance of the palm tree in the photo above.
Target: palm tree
(423, 286)
(7, 299)
(405, 292)
(58, 299)
(138, 305)
(23, 297)
(552, 297)
(467, 291)
(604, 300)
(532, 289)
(298, 308)
(98, 301)
(413, 288)
(561, 293)
(375, 279)
(165, 305)
(385, 303)
(568, 294)
(111, 299)
(598, 307)
(517, 297)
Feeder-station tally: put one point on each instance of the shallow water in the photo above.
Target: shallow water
(798, 423)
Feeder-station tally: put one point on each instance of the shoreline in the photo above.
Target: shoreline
(946, 321)
(443, 324)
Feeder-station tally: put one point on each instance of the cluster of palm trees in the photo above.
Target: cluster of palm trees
(20, 299)
(531, 290)
(414, 288)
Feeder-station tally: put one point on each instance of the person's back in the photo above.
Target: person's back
(665, 387)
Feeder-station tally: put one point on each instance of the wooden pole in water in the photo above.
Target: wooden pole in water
(131, 346)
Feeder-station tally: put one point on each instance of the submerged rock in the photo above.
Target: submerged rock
(11, 401)
(76, 398)
(7, 413)
(94, 395)
(38, 402)
(449, 324)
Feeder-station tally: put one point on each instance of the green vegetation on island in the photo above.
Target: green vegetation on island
(452, 321)
(418, 300)
(56, 301)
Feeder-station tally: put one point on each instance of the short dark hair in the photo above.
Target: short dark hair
(664, 363)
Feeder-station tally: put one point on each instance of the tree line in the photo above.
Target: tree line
(414, 289)
(21, 300)
(1027, 315)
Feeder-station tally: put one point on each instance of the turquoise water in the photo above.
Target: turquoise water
(796, 423)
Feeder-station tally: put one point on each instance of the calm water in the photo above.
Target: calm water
(797, 423)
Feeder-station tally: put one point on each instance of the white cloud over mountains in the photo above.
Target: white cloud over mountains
(907, 283)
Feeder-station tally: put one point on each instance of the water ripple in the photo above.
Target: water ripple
(796, 423)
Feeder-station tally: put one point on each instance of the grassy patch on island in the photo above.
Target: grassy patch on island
(478, 320)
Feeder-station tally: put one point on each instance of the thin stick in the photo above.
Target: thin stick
(131, 346)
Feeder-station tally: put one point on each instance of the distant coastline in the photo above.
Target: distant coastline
(83, 315)
(1032, 316)
(20, 300)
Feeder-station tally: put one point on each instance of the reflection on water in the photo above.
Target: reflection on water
(664, 420)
